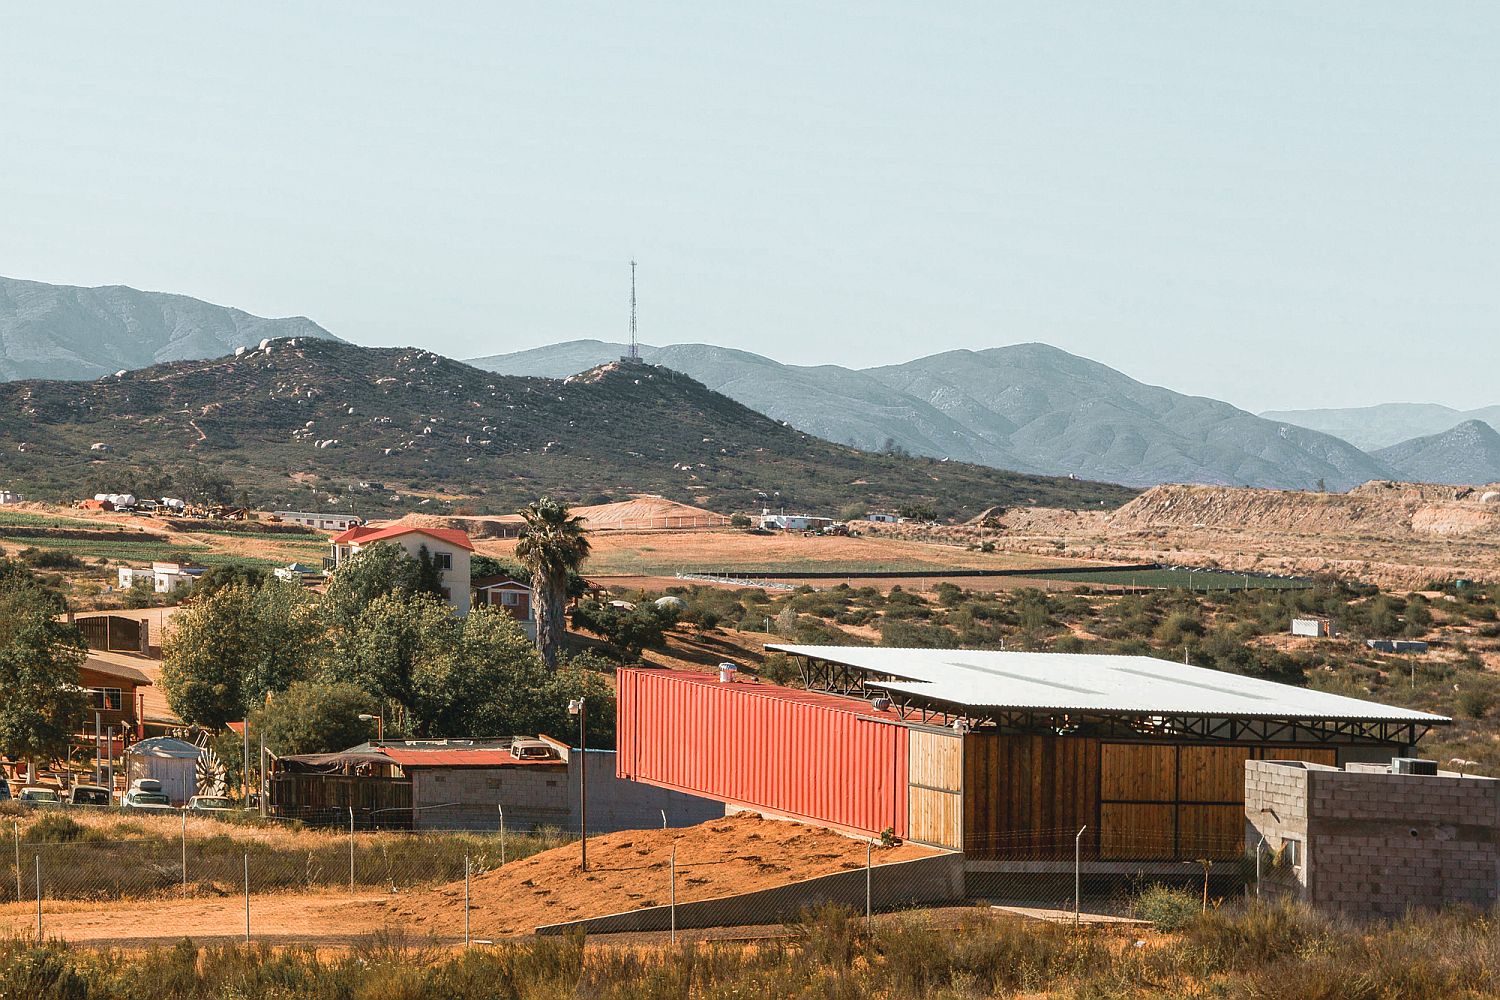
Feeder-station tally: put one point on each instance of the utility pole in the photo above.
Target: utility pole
(579, 708)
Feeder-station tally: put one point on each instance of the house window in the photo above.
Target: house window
(107, 699)
(442, 560)
(510, 597)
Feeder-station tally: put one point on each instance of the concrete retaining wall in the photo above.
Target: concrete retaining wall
(938, 879)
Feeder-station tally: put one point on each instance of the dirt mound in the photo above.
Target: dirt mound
(645, 513)
(1382, 508)
(630, 871)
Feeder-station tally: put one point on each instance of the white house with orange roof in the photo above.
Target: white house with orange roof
(449, 548)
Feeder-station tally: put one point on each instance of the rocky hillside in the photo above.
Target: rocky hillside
(309, 418)
(67, 332)
(1468, 453)
(1028, 407)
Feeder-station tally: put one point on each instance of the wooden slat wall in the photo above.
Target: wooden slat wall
(1137, 772)
(935, 788)
(1136, 830)
(1028, 794)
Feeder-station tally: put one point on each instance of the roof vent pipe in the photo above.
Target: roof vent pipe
(727, 671)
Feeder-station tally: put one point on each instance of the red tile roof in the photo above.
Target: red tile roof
(461, 758)
(364, 534)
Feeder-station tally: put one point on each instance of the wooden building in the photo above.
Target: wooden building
(1007, 757)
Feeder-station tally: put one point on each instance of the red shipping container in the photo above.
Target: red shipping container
(822, 758)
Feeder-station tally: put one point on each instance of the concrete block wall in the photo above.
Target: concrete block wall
(467, 798)
(617, 803)
(1372, 843)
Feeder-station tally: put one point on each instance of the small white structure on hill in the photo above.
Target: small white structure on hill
(164, 577)
(1317, 628)
(7, 497)
(792, 522)
(323, 522)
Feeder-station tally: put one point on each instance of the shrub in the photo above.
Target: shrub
(56, 828)
(1168, 908)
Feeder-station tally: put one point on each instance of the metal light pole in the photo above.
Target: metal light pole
(379, 721)
(579, 707)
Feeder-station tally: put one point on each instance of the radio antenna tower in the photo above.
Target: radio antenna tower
(634, 357)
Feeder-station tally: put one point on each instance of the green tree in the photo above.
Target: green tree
(216, 578)
(853, 512)
(314, 717)
(229, 649)
(478, 675)
(39, 662)
(565, 685)
(481, 566)
(627, 630)
(552, 547)
(375, 571)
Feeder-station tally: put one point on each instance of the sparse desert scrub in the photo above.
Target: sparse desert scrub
(1263, 952)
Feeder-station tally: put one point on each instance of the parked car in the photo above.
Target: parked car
(145, 795)
(210, 805)
(39, 796)
(90, 795)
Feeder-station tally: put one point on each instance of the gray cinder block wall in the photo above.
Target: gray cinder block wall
(1363, 842)
(466, 798)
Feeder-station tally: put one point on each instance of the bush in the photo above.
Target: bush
(56, 828)
(50, 559)
(1168, 908)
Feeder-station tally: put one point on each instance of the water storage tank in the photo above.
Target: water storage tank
(670, 603)
(1491, 496)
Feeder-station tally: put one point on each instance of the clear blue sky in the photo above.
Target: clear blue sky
(1278, 204)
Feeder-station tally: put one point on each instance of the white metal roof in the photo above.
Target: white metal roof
(1078, 682)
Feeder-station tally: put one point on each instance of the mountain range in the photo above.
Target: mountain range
(68, 332)
(1028, 408)
(1386, 424)
(307, 419)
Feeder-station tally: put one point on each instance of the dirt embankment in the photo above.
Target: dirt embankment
(645, 513)
(1397, 535)
(630, 871)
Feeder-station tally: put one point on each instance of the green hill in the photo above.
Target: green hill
(307, 420)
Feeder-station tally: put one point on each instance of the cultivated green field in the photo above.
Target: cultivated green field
(1184, 579)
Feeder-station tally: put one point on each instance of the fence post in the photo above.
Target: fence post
(502, 833)
(869, 909)
(184, 853)
(466, 901)
(247, 897)
(38, 899)
(351, 850)
(16, 826)
(672, 897)
(1078, 877)
(1258, 848)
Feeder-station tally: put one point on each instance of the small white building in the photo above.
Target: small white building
(295, 573)
(449, 548)
(165, 577)
(793, 522)
(6, 497)
(882, 518)
(171, 761)
(1317, 628)
(323, 522)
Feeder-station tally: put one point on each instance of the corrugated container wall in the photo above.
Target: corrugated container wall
(749, 746)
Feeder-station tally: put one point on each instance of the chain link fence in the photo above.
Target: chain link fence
(141, 882)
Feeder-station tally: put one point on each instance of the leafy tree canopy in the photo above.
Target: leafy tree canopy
(39, 662)
(315, 717)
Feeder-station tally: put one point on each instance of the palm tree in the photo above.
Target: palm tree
(553, 546)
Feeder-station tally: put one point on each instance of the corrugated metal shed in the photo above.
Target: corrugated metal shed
(799, 754)
(1082, 682)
